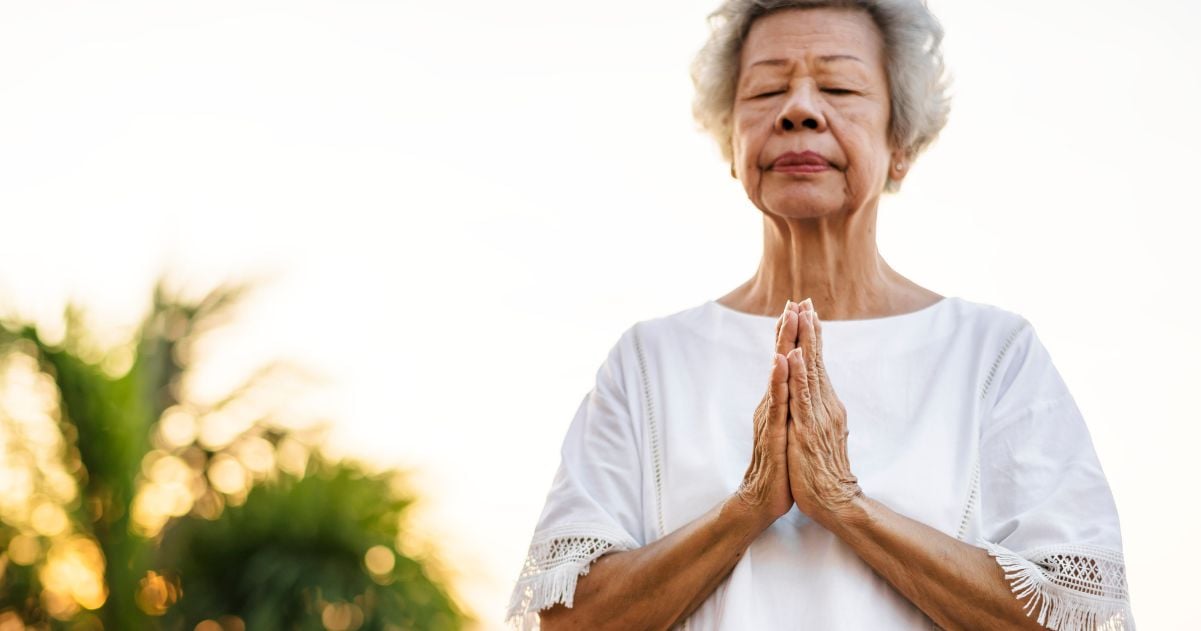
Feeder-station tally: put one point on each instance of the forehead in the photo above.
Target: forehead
(812, 34)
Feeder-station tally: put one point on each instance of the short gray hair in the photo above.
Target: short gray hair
(917, 76)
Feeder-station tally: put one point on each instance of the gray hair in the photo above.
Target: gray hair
(917, 77)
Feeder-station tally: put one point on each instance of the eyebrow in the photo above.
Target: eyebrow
(823, 58)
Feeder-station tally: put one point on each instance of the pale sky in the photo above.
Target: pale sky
(465, 203)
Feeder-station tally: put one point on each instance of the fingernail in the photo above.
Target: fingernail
(808, 303)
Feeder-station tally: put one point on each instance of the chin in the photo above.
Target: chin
(802, 204)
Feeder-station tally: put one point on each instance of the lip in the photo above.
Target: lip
(803, 162)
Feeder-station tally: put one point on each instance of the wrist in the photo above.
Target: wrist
(856, 514)
(749, 514)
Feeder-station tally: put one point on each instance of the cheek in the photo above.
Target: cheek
(747, 143)
(744, 143)
(865, 146)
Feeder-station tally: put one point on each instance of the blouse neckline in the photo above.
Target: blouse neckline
(899, 319)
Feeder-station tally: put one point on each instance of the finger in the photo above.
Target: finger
(827, 387)
(786, 339)
(780, 320)
(800, 402)
(817, 328)
(778, 390)
(812, 365)
(795, 340)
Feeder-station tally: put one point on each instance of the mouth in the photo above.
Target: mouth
(803, 162)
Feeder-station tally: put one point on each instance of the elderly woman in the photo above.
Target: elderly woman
(915, 461)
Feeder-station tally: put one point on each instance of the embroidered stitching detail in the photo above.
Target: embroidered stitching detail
(1075, 586)
(973, 497)
(992, 372)
(557, 557)
(653, 429)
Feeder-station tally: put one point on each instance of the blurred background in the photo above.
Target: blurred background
(297, 298)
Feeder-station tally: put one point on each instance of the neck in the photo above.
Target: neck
(834, 262)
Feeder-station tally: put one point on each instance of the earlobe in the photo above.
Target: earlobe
(899, 166)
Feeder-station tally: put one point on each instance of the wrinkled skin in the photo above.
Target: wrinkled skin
(800, 448)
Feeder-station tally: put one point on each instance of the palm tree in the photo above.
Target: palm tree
(124, 504)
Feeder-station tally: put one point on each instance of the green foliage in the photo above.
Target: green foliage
(313, 548)
(280, 559)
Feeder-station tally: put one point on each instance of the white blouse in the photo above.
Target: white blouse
(957, 418)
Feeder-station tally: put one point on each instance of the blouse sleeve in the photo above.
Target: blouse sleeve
(594, 505)
(1048, 516)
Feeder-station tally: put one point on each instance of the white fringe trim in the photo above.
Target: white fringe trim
(557, 558)
(1076, 587)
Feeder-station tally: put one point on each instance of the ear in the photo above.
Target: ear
(898, 166)
(733, 157)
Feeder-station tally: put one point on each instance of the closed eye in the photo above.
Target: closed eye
(763, 94)
(837, 91)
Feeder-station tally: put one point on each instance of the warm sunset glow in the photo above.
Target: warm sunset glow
(462, 206)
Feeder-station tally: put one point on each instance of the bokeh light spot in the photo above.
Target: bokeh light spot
(177, 427)
(256, 454)
(74, 568)
(24, 549)
(156, 593)
(292, 456)
(227, 475)
(341, 616)
(49, 519)
(379, 560)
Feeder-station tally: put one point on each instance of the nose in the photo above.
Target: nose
(801, 111)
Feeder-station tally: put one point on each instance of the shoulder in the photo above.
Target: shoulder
(985, 322)
(992, 332)
(651, 333)
(648, 347)
(674, 322)
(641, 341)
(1019, 369)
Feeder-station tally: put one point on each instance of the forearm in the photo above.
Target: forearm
(661, 583)
(956, 584)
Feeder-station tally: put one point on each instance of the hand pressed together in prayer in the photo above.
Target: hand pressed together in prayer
(800, 446)
(819, 471)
